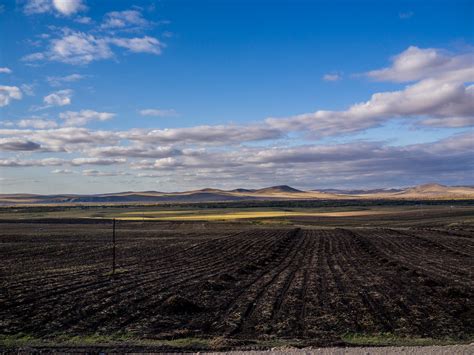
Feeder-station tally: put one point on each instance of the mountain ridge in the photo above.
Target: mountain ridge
(282, 192)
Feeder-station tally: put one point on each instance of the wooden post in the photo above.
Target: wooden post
(113, 256)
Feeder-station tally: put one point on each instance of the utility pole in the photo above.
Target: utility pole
(113, 240)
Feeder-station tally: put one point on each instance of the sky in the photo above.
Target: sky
(103, 96)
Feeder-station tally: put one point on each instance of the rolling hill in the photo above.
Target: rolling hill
(282, 192)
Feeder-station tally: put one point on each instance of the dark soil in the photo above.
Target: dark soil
(208, 281)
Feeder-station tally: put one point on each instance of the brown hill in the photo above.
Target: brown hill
(282, 192)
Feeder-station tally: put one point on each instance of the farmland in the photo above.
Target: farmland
(239, 284)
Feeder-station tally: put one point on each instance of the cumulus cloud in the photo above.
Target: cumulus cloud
(59, 80)
(332, 77)
(204, 134)
(63, 7)
(135, 152)
(306, 165)
(145, 44)
(9, 93)
(63, 171)
(443, 100)
(58, 98)
(83, 20)
(17, 144)
(449, 122)
(37, 123)
(310, 165)
(69, 139)
(97, 161)
(436, 93)
(79, 48)
(80, 118)
(33, 57)
(145, 143)
(97, 173)
(13, 163)
(7, 123)
(124, 20)
(68, 7)
(158, 112)
(5, 70)
(416, 63)
(37, 6)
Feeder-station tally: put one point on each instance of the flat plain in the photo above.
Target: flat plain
(317, 277)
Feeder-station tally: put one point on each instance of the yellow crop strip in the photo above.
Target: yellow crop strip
(248, 215)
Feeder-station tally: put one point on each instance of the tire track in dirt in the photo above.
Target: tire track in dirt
(409, 298)
(306, 282)
(242, 306)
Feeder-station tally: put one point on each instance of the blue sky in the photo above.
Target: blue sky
(99, 96)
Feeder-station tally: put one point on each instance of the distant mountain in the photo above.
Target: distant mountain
(438, 191)
(428, 188)
(358, 192)
(427, 191)
(278, 189)
(242, 190)
(281, 192)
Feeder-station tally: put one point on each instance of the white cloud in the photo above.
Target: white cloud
(68, 7)
(449, 122)
(97, 173)
(311, 165)
(70, 139)
(63, 171)
(37, 6)
(83, 20)
(332, 77)
(145, 44)
(7, 123)
(406, 15)
(97, 161)
(63, 7)
(33, 57)
(9, 93)
(210, 135)
(59, 80)
(158, 112)
(79, 48)
(415, 63)
(37, 123)
(28, 89)
(58, 98)
(25, 163)
(442, 97)
(135, 151)
(427, 98)
(166, 163)
(5, 70)
(17, 144)
(80, 118)
(123, 19)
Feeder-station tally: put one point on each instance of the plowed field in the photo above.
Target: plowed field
(203, 280)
